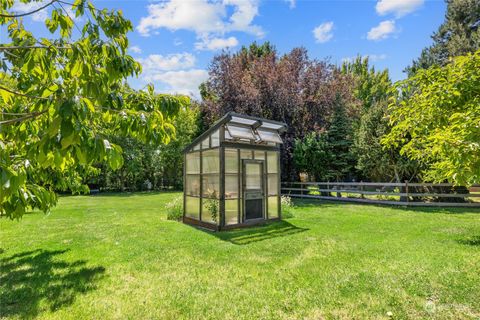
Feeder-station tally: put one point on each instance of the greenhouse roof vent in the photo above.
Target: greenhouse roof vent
(240, 128)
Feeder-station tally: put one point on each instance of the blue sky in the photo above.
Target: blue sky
(175, 40)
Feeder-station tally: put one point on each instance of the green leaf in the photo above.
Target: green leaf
(54, 126)
(77, 68)
(82, 157)
(49, 91)
(67, 134)
(88, 103)
(115, 159)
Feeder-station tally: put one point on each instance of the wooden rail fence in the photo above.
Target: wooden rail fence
(390, 193)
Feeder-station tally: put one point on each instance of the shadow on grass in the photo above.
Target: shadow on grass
(255, 234)
(309, 203)
(472, 241)
(34, 280)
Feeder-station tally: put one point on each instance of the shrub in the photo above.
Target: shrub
(287, 207)
(175, 209)
(212, 205)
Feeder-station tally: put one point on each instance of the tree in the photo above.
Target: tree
(60, 98)
(168, 158)
(339, 140)
(312, 155)
(150, 166)
(370, 86)
(435, 116)
(291, 88)
(327, 155)
(374, 162)
(457, 36)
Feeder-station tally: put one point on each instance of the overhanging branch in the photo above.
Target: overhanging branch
(5, 48)
(22, 94)
(30, 116)
(26, 13)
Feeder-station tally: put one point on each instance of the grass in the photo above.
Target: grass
(117, 257)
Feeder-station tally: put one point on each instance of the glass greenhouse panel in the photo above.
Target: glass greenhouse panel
(206, 143)
(231, 160)
(248, 122)
(273, 184)
(211, 186)
(269, 136)
(253, 176)
(272, 162)
(211, 161)
(241, 132)
(192, 207)
(273, 207)
(269, 125)
(211, 210)
(215, 139)
(227, 135)
(231, 211)
(231, 186)
(193, 163)
(192, 185)
(260, 155)
(246, 154)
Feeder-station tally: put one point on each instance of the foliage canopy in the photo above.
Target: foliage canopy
(291, 88)
(458, 35)
(61, 97)
(436, 120)
(374, 161)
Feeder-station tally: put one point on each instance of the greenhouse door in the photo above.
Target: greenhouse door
(253, 190)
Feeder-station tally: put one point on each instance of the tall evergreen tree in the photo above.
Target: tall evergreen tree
(339, 139)
(457, 36)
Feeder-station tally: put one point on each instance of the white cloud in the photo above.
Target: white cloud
(182, 81)
(242, 17)
(209, 20)
(156, 63)
(382, 31)
(216, 43)
(201, 16)
(173, 73)
(178, 14)
(398, 7)
(323, 32)
(20, 7)
(135, 49)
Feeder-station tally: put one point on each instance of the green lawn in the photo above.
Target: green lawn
(117, 257)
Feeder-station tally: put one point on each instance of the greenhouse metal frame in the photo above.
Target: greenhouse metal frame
(232, 173)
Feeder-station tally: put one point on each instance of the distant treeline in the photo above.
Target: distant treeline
(345, 123)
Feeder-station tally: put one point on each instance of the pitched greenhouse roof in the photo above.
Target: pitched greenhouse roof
(243, 127)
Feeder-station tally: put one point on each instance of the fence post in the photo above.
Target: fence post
(301, 187)
(406, 190)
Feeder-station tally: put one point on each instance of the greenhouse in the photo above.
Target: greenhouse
(232, 173)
